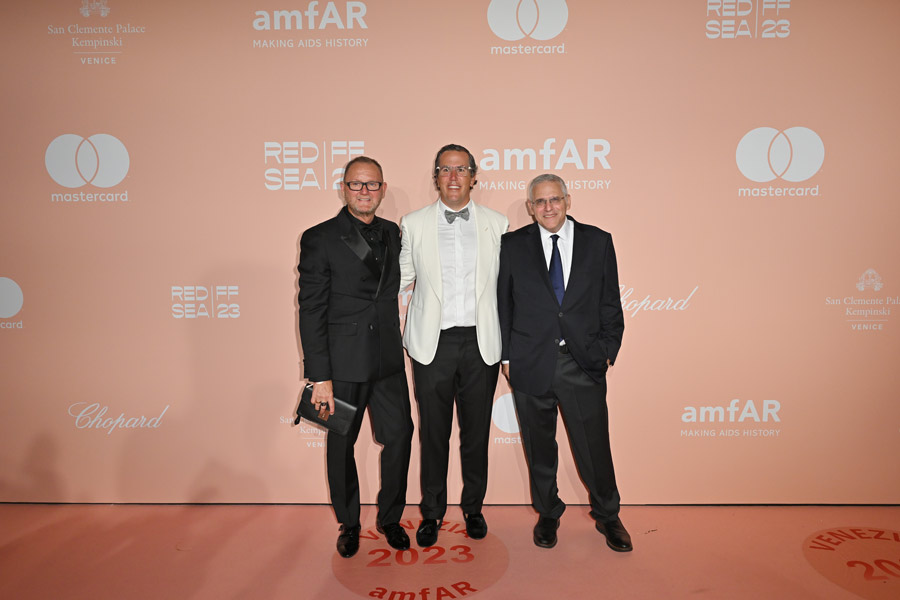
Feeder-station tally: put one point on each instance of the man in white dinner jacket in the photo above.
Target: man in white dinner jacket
(451, 250)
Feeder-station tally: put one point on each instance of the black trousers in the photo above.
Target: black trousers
(456, 373)
(584, 411)
(389, 412)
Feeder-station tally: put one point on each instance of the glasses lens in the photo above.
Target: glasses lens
(357, 186)
(460, 170)
(542, 202)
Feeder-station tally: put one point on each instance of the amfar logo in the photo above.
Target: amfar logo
(100, 160)
(354, 16)
(513, 20)
(11, 298)
(747, 410)
(765, 154)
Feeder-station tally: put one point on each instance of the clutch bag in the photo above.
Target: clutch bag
(339, 422)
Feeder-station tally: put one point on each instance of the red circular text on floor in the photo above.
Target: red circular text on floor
(456, 567)
(863, 560)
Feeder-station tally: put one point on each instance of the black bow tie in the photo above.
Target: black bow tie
(371, 230)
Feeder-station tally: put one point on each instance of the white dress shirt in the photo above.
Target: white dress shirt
(564, 243)
(457, 245)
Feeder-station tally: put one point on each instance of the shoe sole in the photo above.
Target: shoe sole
(548, 546)
(611, 547)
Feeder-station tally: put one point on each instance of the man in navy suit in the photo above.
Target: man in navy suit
(561, 326)
(350, 333)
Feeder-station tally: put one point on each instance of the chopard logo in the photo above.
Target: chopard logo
(93, 416)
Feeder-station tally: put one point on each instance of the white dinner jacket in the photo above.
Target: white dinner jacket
(420, 262)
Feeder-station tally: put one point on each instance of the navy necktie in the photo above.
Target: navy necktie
(556, 272)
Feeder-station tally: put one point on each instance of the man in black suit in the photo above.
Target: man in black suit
(350, 333)
(561, 324)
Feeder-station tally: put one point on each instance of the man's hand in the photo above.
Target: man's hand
(323, 393)
(504, 368)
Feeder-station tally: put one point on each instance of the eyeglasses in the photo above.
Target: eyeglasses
(460, 170)
(356, 186)
(552, 201)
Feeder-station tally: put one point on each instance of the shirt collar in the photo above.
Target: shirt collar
(564, 233)
(357, 222)
(442, 207)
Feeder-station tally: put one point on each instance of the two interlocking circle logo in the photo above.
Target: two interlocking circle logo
(765, 153)
(513, 20)
(11, 298)
(100, 160)
(504, 414)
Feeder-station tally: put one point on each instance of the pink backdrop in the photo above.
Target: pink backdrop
(161, 160)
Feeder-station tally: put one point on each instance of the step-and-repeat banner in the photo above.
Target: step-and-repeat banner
(161, 160)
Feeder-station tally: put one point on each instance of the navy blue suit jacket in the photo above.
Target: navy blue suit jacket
(532, 322)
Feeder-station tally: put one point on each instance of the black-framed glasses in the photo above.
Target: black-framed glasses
(357, 186)
(461, 170)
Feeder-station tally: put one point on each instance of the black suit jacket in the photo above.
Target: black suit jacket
(349, 317)
(531, 320)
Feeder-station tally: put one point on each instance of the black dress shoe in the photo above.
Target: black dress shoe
(545, 532)
(348, 541)
(395, 535)
(616, 536)
(427, 533)
(476, 526)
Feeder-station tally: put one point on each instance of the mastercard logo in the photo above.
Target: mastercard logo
(100, 160)
(513, 20)
(765, 154)
(11, 298)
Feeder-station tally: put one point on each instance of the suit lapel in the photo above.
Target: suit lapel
(578, 274)
(537, 259)
(484, 252)
(432, 253)
(388, 252)
(357, 244)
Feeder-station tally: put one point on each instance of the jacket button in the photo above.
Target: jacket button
(560, 314)
(371, 327)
